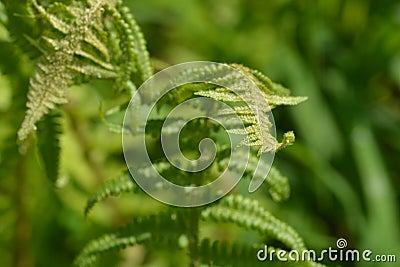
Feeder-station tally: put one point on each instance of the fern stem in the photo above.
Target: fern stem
(21, 256)
(193, 234)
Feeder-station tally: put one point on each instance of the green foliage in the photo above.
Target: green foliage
(343, 55)
(249, 214)
(277, 184)
(161, 230)
(106, 243)
(112, 187)
(49, 144)
(80, 41)
(236, 255)
(258, 125)
(75, 45)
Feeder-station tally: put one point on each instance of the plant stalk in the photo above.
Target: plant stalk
(193, 233)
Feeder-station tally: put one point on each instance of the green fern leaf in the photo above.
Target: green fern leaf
(92, 39)
(136, 38)
(253, 110)
(123, 184)
(277, 184)
(222, 253)
(251, 215)
(158, 230)
(113, 187)
(219, 253)
(19, 22)
(254, 113)
(54, 72)
(49, 144)
(108, 242)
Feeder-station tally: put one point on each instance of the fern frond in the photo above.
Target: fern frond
(219, 253)
(108, 242)
(251, 215)
(155, 230)
(49, 144)
(113, 187)
(277, 184)
(136, 38)
(254, 111)
(251, 104)
(54, 73)
(223, 253)
(95, 40)
(19, 22)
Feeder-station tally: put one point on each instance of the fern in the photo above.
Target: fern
(277, 184)
(243, 212)
(217, 253)
(249, 214)
(106, 243)
(113, 187)
(79, 48)
(160, 230)
(49, 144)
(253, 109)
(79, 41)
(136, 38)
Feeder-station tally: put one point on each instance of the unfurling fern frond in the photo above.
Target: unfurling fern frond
(92, 39)
(251, 215)
(161, 230)
(253, 111)
(113, 187)
(250, 94)
(49, 144)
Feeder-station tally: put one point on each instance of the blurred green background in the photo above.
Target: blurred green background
(344, 167)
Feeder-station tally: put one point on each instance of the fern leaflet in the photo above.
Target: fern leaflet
(93, 40)
(112, 187)
(49, 144)
(161, 230)
(249, 214)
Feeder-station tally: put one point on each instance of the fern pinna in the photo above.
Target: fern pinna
(99, 39)
(81, 41)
